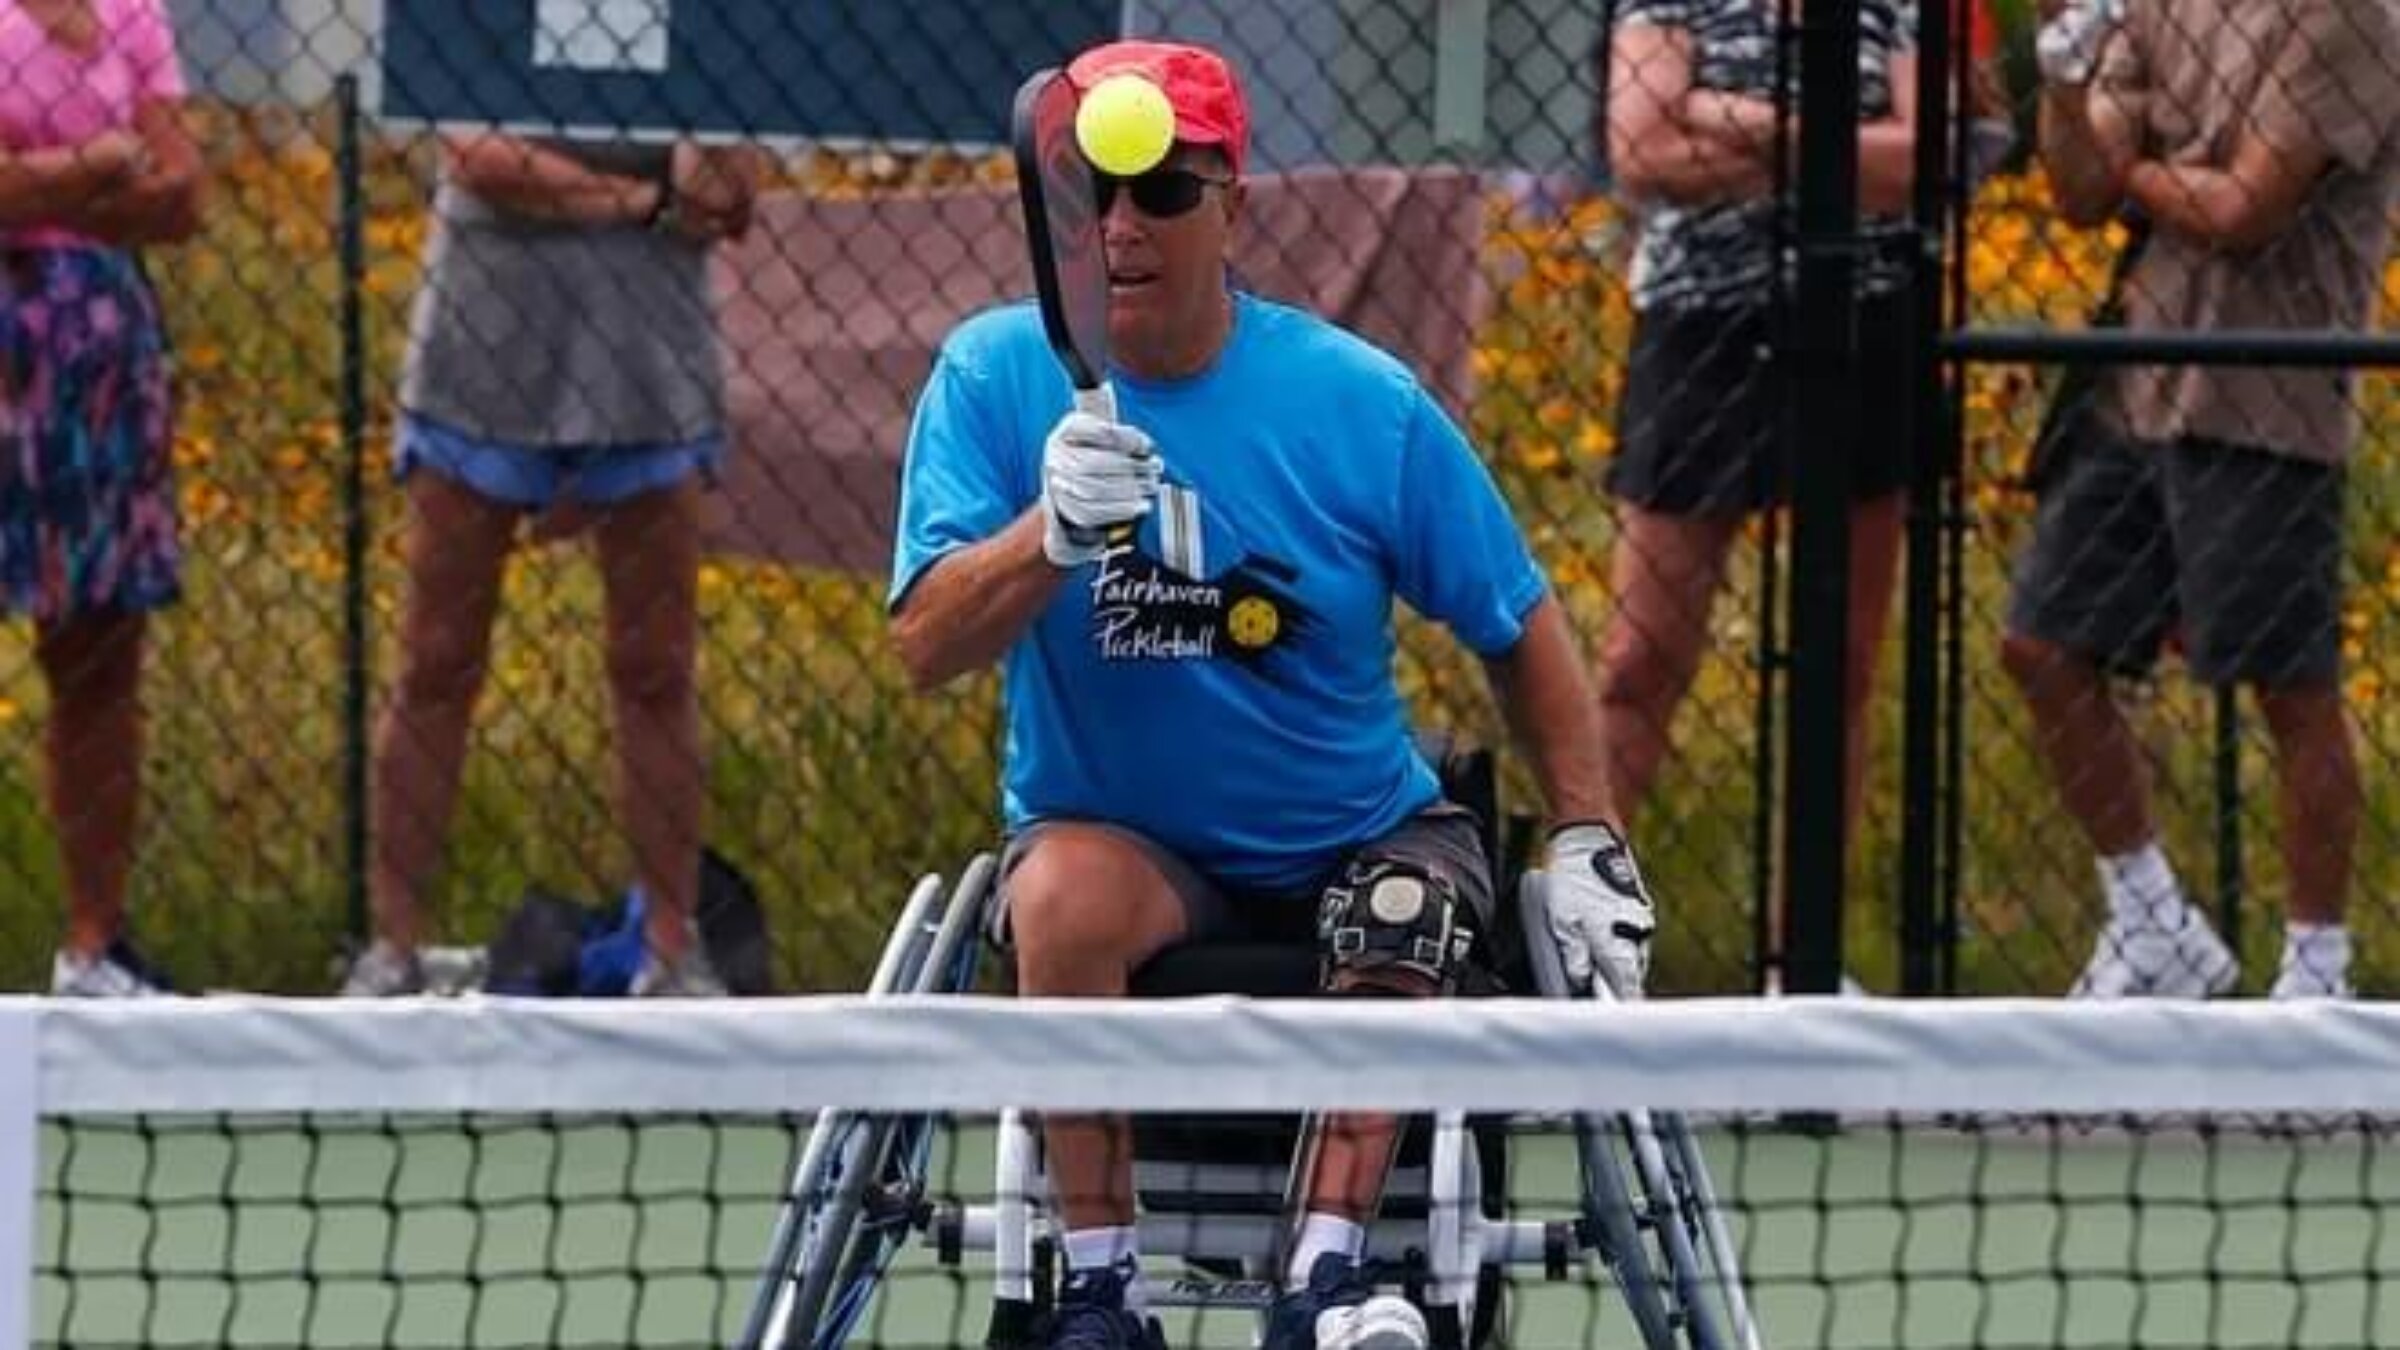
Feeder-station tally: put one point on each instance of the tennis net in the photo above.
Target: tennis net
(1807, 1173)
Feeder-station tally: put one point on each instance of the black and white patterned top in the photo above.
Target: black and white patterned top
(1722, 256)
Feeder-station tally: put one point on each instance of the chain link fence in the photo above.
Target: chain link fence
(1435, 175)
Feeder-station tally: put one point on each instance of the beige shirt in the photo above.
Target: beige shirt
(2198, 75)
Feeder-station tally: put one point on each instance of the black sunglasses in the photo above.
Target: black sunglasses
(1161, 194)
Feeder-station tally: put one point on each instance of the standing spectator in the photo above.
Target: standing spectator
(1692, 124)
(562, 356)
(2256, 138)
(97, 162)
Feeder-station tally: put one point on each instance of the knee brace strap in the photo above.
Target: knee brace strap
(1384, 915)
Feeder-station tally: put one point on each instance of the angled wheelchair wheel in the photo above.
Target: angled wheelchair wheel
(1668, 1246)
(859, 1188)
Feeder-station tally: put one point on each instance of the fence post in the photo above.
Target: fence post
(350, 245)
(1823, 399)
(1933, 436)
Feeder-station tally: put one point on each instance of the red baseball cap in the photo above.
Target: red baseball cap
(1199, 85)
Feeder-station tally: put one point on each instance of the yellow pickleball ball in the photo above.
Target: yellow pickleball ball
(1125, 125)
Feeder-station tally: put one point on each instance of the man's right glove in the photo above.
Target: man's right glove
(2068, 47)
(1096, 476)
(1600, 913)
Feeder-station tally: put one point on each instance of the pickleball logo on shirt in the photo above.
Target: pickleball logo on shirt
(1153, 598)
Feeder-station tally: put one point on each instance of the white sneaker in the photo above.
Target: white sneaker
(118, 972)
(690, 977)
(384, 971)
(1383, 1322)
(2296, 981)
(2154, 961)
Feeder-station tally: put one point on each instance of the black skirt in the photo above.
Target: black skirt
(1696, 429)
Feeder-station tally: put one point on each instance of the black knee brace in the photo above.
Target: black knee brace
(1386, 916)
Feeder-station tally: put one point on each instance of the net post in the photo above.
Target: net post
(20, 1139)
(1824, 414)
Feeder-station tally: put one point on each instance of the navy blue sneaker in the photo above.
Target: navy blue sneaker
(1091, 1314)
(1339, 1310)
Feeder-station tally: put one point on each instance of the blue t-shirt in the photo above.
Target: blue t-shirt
(1224, 684)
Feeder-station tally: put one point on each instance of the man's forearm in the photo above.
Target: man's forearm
(2086, 172)
(1554, 717)
(972, 606)
(2211, 205)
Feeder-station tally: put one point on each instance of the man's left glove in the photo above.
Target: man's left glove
(1600, 913)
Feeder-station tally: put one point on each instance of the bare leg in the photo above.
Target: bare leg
(457, 544)
(92, 765)
(2094, 760)
(1877, 531)
(1351, 1157)
(1086, 907)
(1665, 574)
(649, 551)
(2318, 795)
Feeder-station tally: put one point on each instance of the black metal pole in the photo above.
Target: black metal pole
(350, 244)
(1935, 444)
(1768, 953)
(2222, 347)
(1824, 362)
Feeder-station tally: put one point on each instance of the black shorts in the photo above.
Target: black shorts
(1443, 839)
(2242, 547)
(1696, 427)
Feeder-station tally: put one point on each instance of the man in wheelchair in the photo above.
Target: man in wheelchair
(1192, 607)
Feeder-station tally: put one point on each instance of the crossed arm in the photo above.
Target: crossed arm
(2092, 148)
(714, 189)
(1670, 139)
(127, 187)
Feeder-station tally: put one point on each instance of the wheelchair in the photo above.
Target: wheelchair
(1213, 1191)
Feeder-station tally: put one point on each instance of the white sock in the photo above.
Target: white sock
(1319, 1234)
(2142, 890)
(2321, 951)
(1102, 1248)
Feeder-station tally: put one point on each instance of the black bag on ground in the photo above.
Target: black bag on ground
(733, 927)
(541, 949)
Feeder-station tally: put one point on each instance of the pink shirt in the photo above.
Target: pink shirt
(50, 96)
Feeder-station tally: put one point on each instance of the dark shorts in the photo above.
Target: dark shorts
(1696, 429)
(2240, 547)
(1442, 839)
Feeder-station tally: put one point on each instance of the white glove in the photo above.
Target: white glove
(2068, 47)
(1600, 913)
(1096, 475)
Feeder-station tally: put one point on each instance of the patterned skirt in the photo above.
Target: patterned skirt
(87, 492)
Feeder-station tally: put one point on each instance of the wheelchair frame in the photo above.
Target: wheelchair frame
(1648, 1211)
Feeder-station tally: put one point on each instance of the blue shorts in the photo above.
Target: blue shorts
(538, 477)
